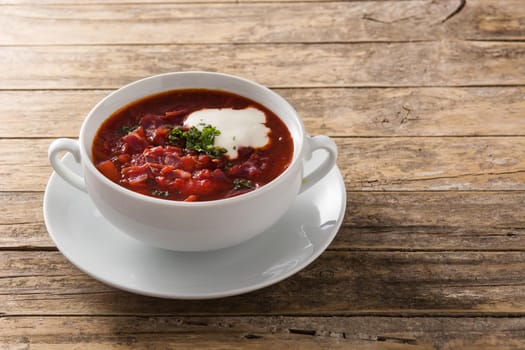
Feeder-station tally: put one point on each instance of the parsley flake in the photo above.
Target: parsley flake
(198, 140)
(239, 184)
(126, 129)
(159, 193)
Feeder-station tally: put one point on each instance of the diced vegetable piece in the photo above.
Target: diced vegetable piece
(109, 170)
(191, 198)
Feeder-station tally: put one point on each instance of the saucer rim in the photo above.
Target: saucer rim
(200, 295)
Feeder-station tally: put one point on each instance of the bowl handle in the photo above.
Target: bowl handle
(317, 143)
(71, 146)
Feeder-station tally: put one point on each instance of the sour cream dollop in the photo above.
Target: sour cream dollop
(238, 127)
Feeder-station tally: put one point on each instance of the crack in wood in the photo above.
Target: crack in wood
(310, 332)
(29, 249)
(37, 276)
(196, 323)
(251, 336)
(368, 17)
(425, 250)
(458, 9)
(410, 341)
(398, 181)
(370, 314)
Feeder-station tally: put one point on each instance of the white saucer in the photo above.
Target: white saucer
(103, 252)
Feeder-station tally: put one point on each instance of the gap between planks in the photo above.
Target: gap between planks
(197, 2)
(291, 87)
(496, 315)
(332, 136)
(316, 315)
(354, 191)
(248, 43)
(339, 250)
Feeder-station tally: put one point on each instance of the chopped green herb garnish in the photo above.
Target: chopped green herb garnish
(126, 129)
(159, 193)
(216, 152)
(198, 140)
(227, 166)
(239, 184)
(176, 134)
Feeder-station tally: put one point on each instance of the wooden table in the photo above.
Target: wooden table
(425, 100)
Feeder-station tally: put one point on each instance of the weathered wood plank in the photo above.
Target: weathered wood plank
(489, 20)
(335, 112)
(29, 172)
(410, 111)
(34, 236)
(375, 164)
(407, 253)
(21, 208)
(264, 332)
(350, 283)
(484, 221)
(118, 2)
(443, 63)
(429, 238)
(472, 210)
(174, 22)
(98, 2)
(433, 164)
(225, 23)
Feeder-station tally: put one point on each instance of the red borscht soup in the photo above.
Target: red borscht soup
(192, 145)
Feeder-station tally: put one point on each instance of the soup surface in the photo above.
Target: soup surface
(171, 145)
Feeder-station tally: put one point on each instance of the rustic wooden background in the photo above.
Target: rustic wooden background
(425, 100)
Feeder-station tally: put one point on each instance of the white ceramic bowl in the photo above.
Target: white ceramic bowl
(193, 226)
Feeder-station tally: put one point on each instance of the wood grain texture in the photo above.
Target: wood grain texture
(429, 238)
(411, 221)
(491, 111)
(234, 22)
(225, 23)
(263, 332)
(402, 164)
(425, 100)
(437, 164)
(490, 20)
(473, 210)
(350, 283)
(442, 63)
